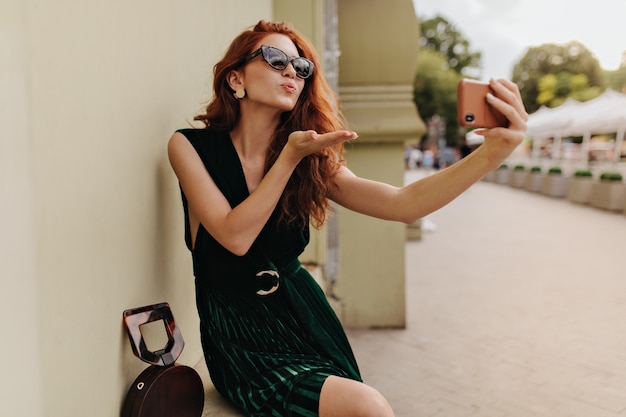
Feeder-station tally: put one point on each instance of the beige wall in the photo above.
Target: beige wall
(91, 217)
(306, 15)
(20, 379)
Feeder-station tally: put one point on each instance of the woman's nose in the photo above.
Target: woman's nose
(290, 70)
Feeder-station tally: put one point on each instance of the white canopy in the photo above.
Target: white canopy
(546, 122)
(604, 114)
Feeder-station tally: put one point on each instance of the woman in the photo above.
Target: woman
(266, 164)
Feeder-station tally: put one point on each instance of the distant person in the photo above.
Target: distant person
(464, 149)
(414, 157)
(446, 157)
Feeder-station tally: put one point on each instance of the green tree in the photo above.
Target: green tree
(615, 80)
(445, 57)
(435, 91)
(443, 37)
(550, 73)
(555, 89)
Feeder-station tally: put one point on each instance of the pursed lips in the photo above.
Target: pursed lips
(289, 87)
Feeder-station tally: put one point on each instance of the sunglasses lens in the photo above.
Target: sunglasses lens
(276, 58)
(279, 60)
(303, 67)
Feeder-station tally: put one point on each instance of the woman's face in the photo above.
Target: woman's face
(266, 86)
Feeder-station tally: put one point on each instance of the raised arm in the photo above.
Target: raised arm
(428, 194)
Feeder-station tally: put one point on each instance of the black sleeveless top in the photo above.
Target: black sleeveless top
(268, 354)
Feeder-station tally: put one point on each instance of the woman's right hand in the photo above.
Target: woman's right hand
(303, 143)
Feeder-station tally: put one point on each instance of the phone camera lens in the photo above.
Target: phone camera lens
(469, 118)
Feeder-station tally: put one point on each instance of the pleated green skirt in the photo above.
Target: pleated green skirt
(270, 355)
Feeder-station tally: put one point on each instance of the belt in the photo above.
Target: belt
(263, 282)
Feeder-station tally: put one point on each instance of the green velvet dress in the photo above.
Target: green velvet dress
(268, 354)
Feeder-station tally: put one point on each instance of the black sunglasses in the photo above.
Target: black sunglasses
(279, 60)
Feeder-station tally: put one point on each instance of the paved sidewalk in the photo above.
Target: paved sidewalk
(516, 308)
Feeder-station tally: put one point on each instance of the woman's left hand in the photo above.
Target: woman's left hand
(303, 143)
(501, 141)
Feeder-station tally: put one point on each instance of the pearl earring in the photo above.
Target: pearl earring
(239, 93)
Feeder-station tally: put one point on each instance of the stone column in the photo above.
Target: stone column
(379, 44)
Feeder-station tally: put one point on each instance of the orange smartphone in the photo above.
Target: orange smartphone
(473, 110)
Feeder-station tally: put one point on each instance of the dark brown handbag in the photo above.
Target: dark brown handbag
(164, 389)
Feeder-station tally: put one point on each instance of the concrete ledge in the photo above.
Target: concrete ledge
(214, 404)
(414, 230)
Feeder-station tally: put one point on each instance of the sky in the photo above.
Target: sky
(502, 30)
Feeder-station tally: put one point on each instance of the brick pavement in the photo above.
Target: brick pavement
(516, 308)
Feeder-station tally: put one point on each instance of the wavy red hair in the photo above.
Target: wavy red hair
(306, 195)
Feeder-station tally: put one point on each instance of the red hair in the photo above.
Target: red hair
(306, 194)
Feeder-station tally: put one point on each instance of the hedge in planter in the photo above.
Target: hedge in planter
(502, 174)
(608, 193)
(579, 186)
(518, 176)
(533, 179)
(554, 184)
(611, 176)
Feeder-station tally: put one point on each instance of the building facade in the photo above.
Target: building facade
(91, 217)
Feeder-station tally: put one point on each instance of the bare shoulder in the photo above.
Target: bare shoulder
(182, 155)
(177, 141)
(179, 147)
